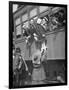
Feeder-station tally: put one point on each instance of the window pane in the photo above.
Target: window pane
(33, 13)
(18, 30)
(17, 21)
(25, 17)
(43, 8)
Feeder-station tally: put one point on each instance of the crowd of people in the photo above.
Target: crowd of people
(36, 33)
(21, 72)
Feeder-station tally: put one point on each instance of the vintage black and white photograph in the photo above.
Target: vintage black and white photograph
(38, 44)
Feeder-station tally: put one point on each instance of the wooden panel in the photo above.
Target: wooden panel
(56, 45)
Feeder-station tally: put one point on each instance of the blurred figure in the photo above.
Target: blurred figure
(38, 73)
(44, 23)
(20, 69)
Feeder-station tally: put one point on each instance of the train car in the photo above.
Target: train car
(54, 63)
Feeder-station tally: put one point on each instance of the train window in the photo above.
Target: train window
(43, 8)
(18, 31)
(17, 21)
(33, 12)
(25, 17)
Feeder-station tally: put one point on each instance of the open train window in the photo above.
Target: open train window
(58, 17)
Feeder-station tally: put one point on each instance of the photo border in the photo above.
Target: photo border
(11, 24)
